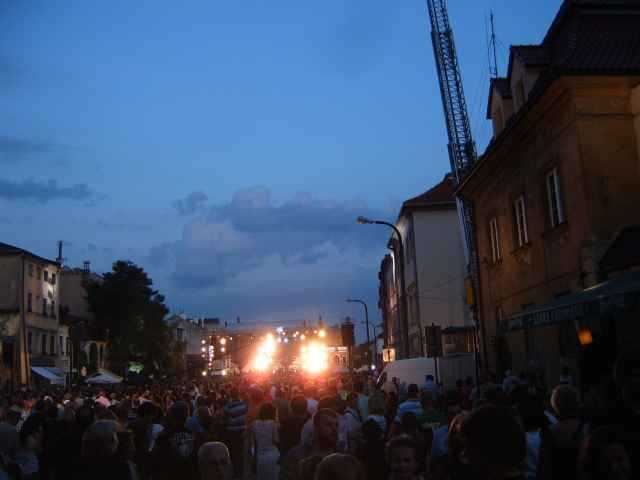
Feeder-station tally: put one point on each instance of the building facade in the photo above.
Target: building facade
(557, 183)
(434, 270)
(33, 341)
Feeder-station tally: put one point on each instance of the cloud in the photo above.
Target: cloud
(13, 149)
(258, 256)
(42, 192)
(124, 226)
(191, 204)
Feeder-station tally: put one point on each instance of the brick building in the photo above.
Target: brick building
(555, 187)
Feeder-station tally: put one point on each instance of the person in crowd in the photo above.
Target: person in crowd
(431, 417)
(99, 458)
(328, 402)
(510, 381)
(531, 412)
(451, 465)
(606, 455)
(281, 404)
(430, 385)
(31, 439)
(174, 455)
(363, 400)
(353, 421)
(402, 458)
(312, 404)
(264, 436)
(291, 427)
(500, 458)
(214, 462)
(409, 426)
(325, 442)
(560, 442)
(194, 422)
(339, 466)
(371, 449)
(411, 404)
(377, 405)
(235, 413)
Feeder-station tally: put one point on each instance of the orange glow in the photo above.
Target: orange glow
(585, 337)
(314, 358)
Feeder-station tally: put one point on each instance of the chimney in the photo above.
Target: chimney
(86, 266)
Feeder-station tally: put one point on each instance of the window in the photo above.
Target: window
(44, 344)
(39, 273)
(61, 345)
(29, 342)
(494, 233)
(522, 235)
(52, 345)
(556, 211)
(45, 275)
(53, 279)
(180, 334)
(68, 348)
(498, 121)
(31, 269)
(53, 308)
(29, 302)
(44, 307)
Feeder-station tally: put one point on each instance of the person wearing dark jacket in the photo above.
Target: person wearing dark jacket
(174, 455)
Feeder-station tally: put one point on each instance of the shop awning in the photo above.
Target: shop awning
(591, 301)
(54, 375)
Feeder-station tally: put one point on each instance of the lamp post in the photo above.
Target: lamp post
(403, 296)
(366, 313)
(375, 342)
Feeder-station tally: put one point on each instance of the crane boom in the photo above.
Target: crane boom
(462, 148)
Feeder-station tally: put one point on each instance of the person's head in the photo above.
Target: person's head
(267, 411)
(429, 378)
(299, 406)
(507, 446)
(100, 440)
(328, 402)
(311, 392)
(412, 391)
(402, 457)
(178, 414)
(279, 392)
(339, 466)
(455, 442)
(214, 462)
(358, 386)
(13, 416)
(565, 401)
(531, 411)
(377, 404)
(325, 428)
(203, 414)
(605, 455)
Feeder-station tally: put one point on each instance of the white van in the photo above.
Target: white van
(410, 370)
(414, 370)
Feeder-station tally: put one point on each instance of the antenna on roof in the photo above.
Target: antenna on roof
(491, 49)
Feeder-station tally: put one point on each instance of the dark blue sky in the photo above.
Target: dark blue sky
(228, 146)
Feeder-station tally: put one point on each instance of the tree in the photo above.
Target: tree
(132, 312)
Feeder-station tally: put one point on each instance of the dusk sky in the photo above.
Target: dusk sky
(228, 147)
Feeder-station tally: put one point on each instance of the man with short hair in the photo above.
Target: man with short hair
(214, 462)
(174, 454)
(363, 400)
(325, 442)
(411, 404)
(430, 386)
(291, 427)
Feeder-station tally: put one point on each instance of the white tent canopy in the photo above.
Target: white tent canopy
(104, 377)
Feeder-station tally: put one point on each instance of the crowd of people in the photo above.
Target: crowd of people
(296, 428)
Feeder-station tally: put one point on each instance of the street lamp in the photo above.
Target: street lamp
(403, 297)
(366, 313)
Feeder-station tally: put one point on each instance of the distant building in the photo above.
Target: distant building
(553, 191)
(434, 269)
(88, 343)
(190, 332)
(33, 342)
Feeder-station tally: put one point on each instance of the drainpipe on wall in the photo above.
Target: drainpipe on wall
(23, 328)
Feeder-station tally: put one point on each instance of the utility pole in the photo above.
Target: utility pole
(60, 258)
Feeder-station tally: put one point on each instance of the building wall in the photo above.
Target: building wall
(585, 128)
(73, 293)
(10, 282)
